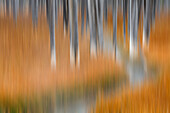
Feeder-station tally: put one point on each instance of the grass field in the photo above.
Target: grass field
(154, 95)
(26, 78)
(28, 84)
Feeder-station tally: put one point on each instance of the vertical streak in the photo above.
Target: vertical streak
(124, 19)
(131, 48)
(52, 31)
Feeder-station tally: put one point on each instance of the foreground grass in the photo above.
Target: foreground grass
(46, 102)
(153, 97)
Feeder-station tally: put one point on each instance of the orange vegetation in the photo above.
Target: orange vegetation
(25, 59)
(154, 95)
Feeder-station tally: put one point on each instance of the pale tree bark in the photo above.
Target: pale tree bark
(93, 41)
(114, 14)
(74, 43)
(51, 10)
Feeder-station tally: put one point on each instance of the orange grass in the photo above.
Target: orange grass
(154, 95)
(25, 60)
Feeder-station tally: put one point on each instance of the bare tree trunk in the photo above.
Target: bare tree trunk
(153, 12)
(52, 31)
(158, 6)
(7, 7)
(15, 7)
(74, 43)
(136, 25)
(105, 11)
(131, 32)
(99, 9)
(114, 11)
(82, 15)
(56, 11)
(93, 41)
(146, 25)
(129, 17)
(35, 12)
(21, 6)
(166, 6)
(133, 27)
(124, 19)
(87, 15)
